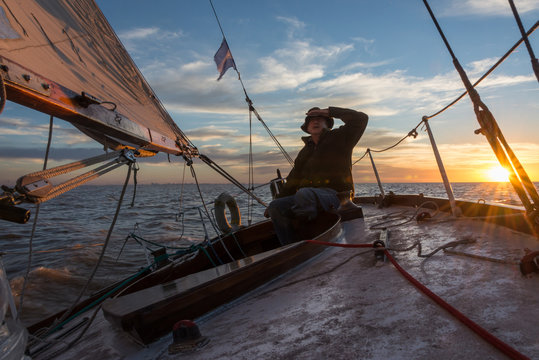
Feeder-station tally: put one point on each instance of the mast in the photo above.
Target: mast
(518, 177)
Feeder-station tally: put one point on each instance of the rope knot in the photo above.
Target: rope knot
(413, 133)
(188, 160)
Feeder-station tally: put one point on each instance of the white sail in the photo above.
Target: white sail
(63, 58)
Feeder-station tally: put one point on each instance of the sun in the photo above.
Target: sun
(498, 174)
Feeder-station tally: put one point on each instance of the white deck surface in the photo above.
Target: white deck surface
(343, 305)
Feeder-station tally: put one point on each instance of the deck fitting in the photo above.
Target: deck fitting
(186, 338)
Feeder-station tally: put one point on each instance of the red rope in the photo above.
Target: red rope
(503, 347)
(499, 344)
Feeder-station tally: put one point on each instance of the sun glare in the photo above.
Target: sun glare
(498, 174)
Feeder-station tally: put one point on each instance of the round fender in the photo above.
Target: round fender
(220, 216)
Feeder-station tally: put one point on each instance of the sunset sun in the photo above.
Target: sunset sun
(497, 174)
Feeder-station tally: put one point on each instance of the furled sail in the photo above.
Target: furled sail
(63, 58)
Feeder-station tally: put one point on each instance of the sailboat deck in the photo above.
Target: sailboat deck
(345, 304)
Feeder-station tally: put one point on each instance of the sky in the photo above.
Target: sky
(383, 57)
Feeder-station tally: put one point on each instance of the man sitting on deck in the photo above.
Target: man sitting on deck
(322, 169)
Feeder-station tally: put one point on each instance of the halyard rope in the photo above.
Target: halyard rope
(209, 217)
(30, 243)
(101, 256)
(2, 92)
(248, 100)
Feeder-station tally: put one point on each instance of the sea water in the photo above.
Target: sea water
(71, 230)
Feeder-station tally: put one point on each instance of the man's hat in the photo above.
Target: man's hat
(329, 120)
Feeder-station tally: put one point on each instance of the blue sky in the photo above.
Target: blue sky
(383, 57)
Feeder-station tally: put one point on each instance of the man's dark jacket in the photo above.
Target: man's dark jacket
(328, 163)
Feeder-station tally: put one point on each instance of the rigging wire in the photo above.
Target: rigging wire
(248, 99)
(2, 92)
(101, 256)
(250, 202)
(135, 171)
(281, 148)
(181, 214)
(193, 173)
(217, 18)
(484, 76)
(92, 318)
(535, 63)
(492, 68)
(518, 177)
(30, 244)
(230, 178)
(412, 132)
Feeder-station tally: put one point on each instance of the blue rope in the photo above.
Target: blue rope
(237, 243)
(136, 237)
(181, 250)
(215, 253)
(99, 300)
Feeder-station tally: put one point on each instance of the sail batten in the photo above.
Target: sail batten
(63, 58)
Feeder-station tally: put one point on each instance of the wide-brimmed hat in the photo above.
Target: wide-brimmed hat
(329, 120)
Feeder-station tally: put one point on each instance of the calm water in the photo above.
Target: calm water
(71, 228)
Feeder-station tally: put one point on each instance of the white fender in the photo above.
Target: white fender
(220, 215)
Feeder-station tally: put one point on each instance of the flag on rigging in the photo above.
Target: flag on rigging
(224, 60)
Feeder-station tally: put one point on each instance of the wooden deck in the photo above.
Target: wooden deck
(344, 304)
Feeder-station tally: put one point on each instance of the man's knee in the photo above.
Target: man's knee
(305, 204)
(272, 209)
(280, 207)
(305, 196)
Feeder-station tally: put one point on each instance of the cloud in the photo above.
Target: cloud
(362, 40)
(378, 139)
(364, 65)
(56, 154)
(192, 87)
(15, 122)
(139, 41)
(481, 66)
(237, 142)
(414, 161)
(397, 92)
(138, 33)
(297, 63)
(209, 133)
(293, 24)
(300, 74)
(279, 75)
(366, 44)
(148, 33)
(487, 8)
(10, 128)
(307, 73)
